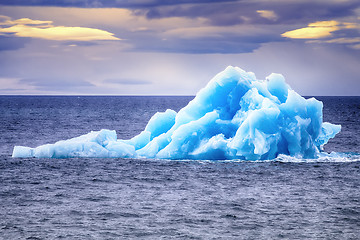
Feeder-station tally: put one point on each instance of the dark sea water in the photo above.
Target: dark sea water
(95, 198)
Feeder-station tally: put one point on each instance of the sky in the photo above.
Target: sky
(164, 47)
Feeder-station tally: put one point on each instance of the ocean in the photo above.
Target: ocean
(95, 198)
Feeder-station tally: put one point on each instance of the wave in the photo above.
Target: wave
(323, 157)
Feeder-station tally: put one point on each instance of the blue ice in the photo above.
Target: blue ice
(235, 116)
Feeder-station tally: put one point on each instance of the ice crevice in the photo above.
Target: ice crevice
(235, 116)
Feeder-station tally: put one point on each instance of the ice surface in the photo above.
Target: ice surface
(235, 116)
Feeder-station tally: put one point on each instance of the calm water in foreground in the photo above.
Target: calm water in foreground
(99, 198)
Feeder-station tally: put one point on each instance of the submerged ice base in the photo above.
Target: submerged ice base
(235, 116)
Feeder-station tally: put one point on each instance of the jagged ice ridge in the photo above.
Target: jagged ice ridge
(235, 116)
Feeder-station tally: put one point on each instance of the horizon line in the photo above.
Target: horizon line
(135, 95)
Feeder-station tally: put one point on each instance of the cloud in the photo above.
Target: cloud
(106, 4)
(341, 40)
(55, 84)
(181, 26)
(190, 26)
(247, 12)
(346, 33)
(268, 14)
(10, 85)
(314, 30)
(352, 42)
(9, 43)
(79, 43)
(127, 81)
(46, 85)
(170, 34)
(215, 39)
(11, 90)
(26, 27)
(225, 32)
(23, 21)
(218, 12)
(320, 29)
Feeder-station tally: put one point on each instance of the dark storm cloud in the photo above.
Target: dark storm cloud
(315, 11)
(348, 33)
(221, 13)
(215, 13)
(105, 3)
(55, 84)
(232, 13)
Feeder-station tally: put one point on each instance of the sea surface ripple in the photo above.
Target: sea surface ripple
(95, 198)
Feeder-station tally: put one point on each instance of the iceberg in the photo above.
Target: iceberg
(235, 116)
